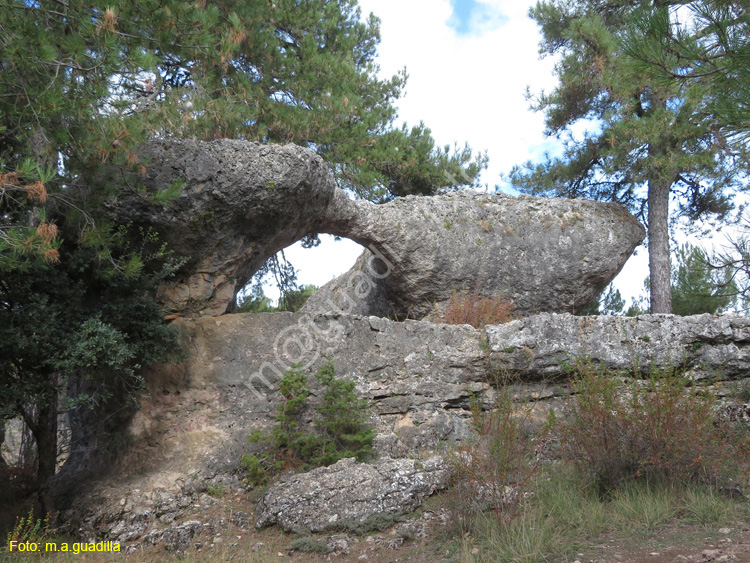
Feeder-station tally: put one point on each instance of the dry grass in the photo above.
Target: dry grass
(477, 310)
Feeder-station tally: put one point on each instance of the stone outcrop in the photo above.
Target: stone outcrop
(419, 377)
(242, 202)
(541, 346)
(543, 254)
(350, 495)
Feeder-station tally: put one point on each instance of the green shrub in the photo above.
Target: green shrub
(341, 428)
(29, 529)
(310, 545)
(657, 429)
(342, 423)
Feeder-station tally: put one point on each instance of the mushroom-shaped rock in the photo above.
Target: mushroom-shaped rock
(240, 203)
(545, 255)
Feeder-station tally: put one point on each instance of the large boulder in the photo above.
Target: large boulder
(242, 202)
(350, 495)
(543, 254)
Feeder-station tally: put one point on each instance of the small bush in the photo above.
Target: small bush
(29, 529)
(310, 545)
(477, 310)
(653, 429)
(742, 391)
(493, 470)
(341, 424)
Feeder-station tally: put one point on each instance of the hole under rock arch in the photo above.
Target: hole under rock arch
(314, 266)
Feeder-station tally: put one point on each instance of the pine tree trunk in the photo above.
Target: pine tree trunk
(3, 464)
(658, 245)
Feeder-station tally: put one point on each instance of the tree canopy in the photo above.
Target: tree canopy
(649, 144)
(72, 339)
(83, 83)
(703, 42)
(697, 287)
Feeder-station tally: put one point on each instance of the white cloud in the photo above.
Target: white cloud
(467, 88)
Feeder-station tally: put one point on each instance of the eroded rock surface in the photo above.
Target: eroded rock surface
(350, 495)
(543, 254)
(541, 346)
(419, 377)
(242, 202)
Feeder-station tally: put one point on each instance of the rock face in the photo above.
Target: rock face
(544, 254)
(539, 347)
(242, 202)
(419, 377)
(350, 495)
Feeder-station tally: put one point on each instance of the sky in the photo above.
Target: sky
(469, 63)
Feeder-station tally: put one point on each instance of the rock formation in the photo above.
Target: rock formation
(540, 347)
(419, 377)
(348, 494)
(242, 202)
(543, 254)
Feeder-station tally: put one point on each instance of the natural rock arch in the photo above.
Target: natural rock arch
(242, 202)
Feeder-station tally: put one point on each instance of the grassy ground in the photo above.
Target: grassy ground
(560, 521)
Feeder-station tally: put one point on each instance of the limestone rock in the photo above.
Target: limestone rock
(540, 346)
(544, 254)
(351, 495)
(242, 202)
(419, 377)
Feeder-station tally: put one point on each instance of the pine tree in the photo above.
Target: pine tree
(703, 42)
(649, 142)
(83, 83)
(697, 288)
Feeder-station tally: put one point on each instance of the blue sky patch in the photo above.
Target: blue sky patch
(471, 17)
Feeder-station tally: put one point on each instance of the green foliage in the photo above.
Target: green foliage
(697, 287)
(75, 327)
(609, 302)
(710, 53)
(341, 424)
(256, 302)
(618, 430)
(309, 544)
(495, 468)
(291, 301)
(294, 300)
(563, 513)
(29, 529)
(83, 84)
(650, 141)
